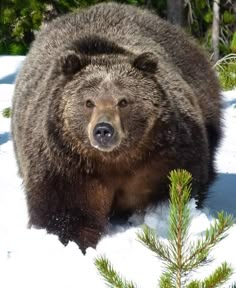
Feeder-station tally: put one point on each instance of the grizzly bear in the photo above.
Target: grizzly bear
(109, 100)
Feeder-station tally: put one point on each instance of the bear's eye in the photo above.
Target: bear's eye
(123, 103)
(90, 104)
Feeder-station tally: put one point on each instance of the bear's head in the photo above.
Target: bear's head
(110, 100)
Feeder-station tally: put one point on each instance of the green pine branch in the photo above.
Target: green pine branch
(194, 284)
(218, 277)
(166, 281)
(148, 238)
(213, 235)
(111, 277)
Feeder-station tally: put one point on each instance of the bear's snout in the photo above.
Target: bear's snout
(103, 134)
(105, 131)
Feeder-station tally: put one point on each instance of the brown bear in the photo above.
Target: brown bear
(108, 101)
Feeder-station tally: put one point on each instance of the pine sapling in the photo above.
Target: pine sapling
(180, 255)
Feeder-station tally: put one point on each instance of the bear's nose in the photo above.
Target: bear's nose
(103, 133)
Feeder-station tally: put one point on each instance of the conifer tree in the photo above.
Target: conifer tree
(180, 256)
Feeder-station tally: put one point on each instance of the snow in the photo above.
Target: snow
(32, 258)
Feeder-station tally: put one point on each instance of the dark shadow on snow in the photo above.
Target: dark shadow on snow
(229, 103)
(9, 79)
(4, 137)
(222, 194)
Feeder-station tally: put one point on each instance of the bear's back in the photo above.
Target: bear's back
(135, 31)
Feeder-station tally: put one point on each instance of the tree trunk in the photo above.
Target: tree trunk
(175, 9)
(215, 29)
(148, 3)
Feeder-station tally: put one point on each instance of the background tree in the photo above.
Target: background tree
(216, 29)
(175, 11)
(200, 23)
(21, 19)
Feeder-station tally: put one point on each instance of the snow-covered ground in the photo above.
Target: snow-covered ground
(32, 258)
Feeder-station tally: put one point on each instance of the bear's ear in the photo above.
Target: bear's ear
(71, 63)
(146, 62)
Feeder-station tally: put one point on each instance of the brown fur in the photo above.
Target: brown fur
(141, 75)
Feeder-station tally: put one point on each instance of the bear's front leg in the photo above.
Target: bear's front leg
(75, 225)
(77, 212)
(94, 201)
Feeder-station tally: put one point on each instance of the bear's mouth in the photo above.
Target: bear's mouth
(105, 146)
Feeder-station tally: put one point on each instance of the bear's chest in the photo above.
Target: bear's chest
(139, 188)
